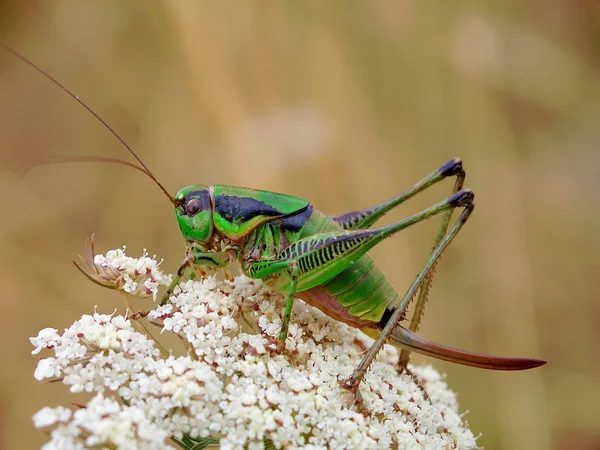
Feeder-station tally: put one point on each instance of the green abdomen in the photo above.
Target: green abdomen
(359, 295)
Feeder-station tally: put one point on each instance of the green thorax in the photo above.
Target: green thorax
(238, 211)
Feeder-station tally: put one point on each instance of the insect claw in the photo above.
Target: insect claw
(228, 275)
(403, 368)
(452, 167)
(351, 385)
(276, 346)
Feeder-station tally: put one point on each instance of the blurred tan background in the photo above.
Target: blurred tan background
(343, 103)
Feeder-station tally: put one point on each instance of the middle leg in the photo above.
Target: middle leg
(352, 383)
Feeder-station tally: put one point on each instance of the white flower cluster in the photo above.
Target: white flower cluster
(96, 352)
(103, 423)
(233, 386)
(140, 277)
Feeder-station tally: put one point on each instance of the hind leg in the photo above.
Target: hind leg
(409, 340)
(353, 382)
(364, 218)
(314, 260)
(419, 305)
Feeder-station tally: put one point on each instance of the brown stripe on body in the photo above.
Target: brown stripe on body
(327, 303)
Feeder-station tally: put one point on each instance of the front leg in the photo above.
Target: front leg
(196, 256)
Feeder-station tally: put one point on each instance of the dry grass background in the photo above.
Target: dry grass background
(343, 103)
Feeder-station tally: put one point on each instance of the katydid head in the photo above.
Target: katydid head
(193, 208)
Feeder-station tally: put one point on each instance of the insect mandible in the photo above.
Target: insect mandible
(286, 242)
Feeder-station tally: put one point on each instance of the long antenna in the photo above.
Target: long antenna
(59, 159)
(93, 113)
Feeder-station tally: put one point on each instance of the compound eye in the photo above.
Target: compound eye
(193, 207)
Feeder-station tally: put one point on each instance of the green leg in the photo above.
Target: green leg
(364, 218)
(289, 303)
(353, 382)
(419, 307)
(316, 259)
(195, 257)
(183, 268)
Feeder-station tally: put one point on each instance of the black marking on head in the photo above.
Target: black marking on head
(242, 209)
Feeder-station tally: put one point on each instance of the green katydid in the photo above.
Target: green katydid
(321, 259)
